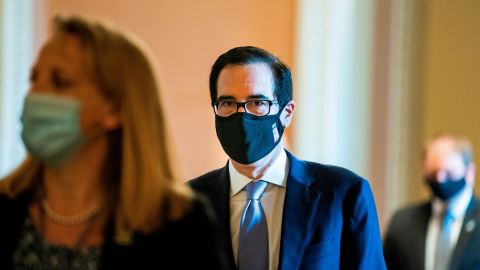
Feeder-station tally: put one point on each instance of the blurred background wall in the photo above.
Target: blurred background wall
(187, 37)
(372, 78)
(451, 80)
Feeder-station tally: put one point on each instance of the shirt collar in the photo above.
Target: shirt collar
(276, 174)
(457, 206)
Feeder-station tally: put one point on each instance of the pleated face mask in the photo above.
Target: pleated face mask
(51, 128)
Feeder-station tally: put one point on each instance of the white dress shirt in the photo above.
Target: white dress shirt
(457, 207)
(272, 204)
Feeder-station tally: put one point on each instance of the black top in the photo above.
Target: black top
(36, 252)
(189, 243)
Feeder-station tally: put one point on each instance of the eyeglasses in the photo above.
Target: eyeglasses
(257, 107)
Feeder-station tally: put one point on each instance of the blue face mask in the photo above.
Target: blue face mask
(447, 189)
(51, 128)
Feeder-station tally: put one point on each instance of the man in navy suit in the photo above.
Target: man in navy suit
(317, 216)
(444, 231)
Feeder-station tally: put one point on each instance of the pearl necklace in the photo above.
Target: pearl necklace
(70, 220)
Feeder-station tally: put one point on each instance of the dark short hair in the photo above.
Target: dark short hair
(249, 55)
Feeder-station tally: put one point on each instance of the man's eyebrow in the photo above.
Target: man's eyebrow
(258, 97)
(226, 98)
(251, 97)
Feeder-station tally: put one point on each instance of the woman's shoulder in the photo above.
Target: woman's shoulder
(13, 204)
(13, 212)
(185, 217)
(199, 215)
(189, 242)
(196, 225)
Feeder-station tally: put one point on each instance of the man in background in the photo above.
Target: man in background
(443, 232)
(276, 211)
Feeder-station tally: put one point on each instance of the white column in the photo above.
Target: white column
(16, 47)
(332, 83)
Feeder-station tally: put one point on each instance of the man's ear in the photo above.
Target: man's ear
(287, 113)
(470, 177)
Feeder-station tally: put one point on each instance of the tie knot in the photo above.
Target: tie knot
(255, 189)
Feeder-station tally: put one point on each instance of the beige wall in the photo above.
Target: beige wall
(186, 37)
(451, 80)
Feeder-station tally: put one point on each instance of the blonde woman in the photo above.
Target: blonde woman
(98, 189)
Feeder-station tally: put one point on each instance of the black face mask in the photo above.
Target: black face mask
(247, 138)
(447, 189)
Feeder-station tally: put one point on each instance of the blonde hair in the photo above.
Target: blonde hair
(146, 193)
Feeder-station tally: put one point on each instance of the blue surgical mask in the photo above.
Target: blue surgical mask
(51, 128)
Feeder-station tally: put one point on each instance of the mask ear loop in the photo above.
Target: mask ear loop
(280, 113)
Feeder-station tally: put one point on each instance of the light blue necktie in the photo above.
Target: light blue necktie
(444, 246)
(253, 238)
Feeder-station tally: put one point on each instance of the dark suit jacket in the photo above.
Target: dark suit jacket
(190, 243)
(404, 245)
(329, 217)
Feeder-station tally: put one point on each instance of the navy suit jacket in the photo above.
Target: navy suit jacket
(329, 217)
(404, 244)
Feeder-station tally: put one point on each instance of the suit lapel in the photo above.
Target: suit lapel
(419, 235)
(298, 212)
(220, 197)
(470, 224)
